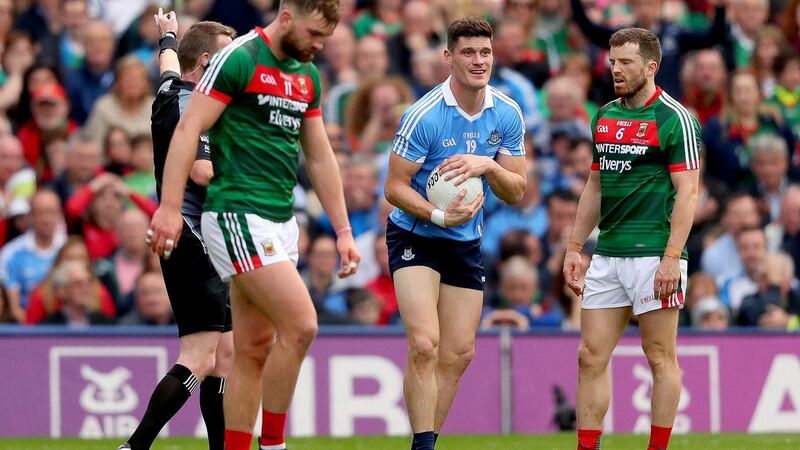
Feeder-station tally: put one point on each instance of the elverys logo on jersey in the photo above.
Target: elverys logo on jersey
(620, 142)
(286, 95)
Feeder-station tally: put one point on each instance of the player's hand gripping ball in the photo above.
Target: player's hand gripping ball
(441, 192)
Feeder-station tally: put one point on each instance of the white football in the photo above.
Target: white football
(441, 192)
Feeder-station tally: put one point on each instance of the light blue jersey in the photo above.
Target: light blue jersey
(435, 128)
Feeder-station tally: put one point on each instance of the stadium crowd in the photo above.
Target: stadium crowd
(76, 165)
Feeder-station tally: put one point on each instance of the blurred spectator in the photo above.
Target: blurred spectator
(34, 77)
(770, 42)
(562, 205)
(17, 57)
(50, 121)
(374, 111)
(510, 50)
(326, 289)
(710, 314)
(82, 162)
(360, 186)
(519, 292)
(40, 19)
(17, 220)
(579, 164)
(141, 178)
(25, 261)
(418, 33)
(578, 67)
(152, 302)
(17, 180)
(749, 16)
(382, 286)
(429, 69)
(94, 78)
(529, 214)
(43, 300)
(118, 152)
(65, 50)
(784, 234)
(141, 37)
(381, 18)
(726, 138)
(770, 164)
(776, 300)
(363, 306)
(97, 207)
(129, 259)
(121, 13)
(566, 113)
(705, 79)
(788, 21)
(241, 15)
(371, 62)
(8, 14)
(339, 53)
(735, 285)
(787, 89)
(675, 40)
(711, 196)
(698, 286)
(127, 106)
(721, 255)
(73, 284)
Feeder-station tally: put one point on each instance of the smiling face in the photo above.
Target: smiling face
(629, 70)
(471, 61)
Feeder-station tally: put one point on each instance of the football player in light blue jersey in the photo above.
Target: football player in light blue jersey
(465, 128)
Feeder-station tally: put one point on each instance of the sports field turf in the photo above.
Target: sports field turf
(514, 442)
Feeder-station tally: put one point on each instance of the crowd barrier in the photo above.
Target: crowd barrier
(97, 384)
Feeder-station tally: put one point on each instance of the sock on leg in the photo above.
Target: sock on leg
(211, 390)
(423, 441)
(659, 437)
(589, 439)
(237, 440)
(272, 430)
(167, 399)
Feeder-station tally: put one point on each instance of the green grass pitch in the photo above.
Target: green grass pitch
(726, 441)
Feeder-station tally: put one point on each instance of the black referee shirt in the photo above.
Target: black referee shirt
(171, 99)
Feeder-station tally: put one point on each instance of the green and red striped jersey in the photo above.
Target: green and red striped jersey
(255, 142)
(635, 150)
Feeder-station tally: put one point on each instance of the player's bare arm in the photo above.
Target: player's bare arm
(669, 271)
(586, 220)
(201, 113)
(327, 182)
(399, 193)
(167, 59)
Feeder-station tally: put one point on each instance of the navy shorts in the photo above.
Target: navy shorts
(458, 262)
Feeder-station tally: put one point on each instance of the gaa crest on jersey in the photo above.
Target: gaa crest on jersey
(494, 138)
(408, 254)
(269, 247)
(642, 129)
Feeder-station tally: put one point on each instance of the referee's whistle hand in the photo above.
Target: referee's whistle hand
(165, 231)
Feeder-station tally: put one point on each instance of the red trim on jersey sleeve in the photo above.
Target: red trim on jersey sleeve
(595, 166)
(681, 167)
(313, 112)
(215, 94)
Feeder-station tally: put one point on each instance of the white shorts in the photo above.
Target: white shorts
(613, 282)
(239, 243)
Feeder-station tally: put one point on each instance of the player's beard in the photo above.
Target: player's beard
(632, 86)
(291, 46)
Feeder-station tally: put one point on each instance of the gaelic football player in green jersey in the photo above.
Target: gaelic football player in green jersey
(260, 101)
(642, 193)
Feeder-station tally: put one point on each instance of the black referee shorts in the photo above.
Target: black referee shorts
(200, 299)
(459, 263)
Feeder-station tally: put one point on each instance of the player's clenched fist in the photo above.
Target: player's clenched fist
(573, 271)
(165, 230)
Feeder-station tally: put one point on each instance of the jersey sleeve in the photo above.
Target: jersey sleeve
(683, 142)
(513, 133)
(227, 75)
(595, 155)
(413, 138)
(315, 107)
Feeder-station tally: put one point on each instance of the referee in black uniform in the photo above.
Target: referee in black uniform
(199, 299)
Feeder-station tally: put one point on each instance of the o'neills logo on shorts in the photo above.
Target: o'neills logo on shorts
(649, 298)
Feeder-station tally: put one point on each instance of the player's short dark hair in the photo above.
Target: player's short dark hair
(748, 229)
(649, 46)
(329, 9)
(784, 58)
(565, 195)
(467, 27)
(200, 38)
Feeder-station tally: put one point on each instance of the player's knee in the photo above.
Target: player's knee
(591, 358)
(254, 349)
(302, 334)
(459, 359)
(660, 356)
(424, 348)
(224, 356)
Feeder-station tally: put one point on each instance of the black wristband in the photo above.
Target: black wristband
(168, 41)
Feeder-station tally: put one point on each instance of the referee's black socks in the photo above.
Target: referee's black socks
(168, 397)
(211, 390)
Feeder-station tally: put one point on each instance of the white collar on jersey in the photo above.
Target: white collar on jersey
(450, 99)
